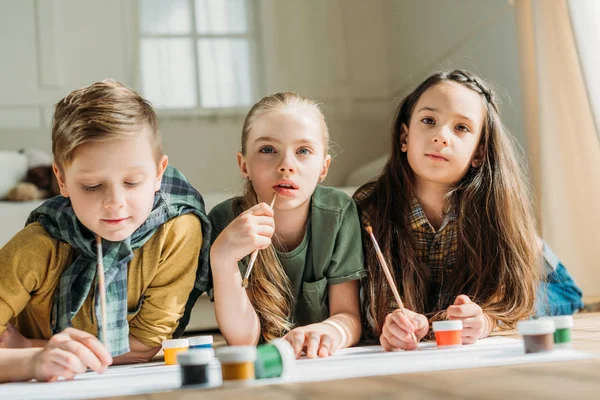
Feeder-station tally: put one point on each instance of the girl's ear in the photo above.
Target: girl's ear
(404, 138)
(61, 180)
(478, 157)
(243, 165)
(325, 169)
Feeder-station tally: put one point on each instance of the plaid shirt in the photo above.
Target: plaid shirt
(175, 197)
(436, 249)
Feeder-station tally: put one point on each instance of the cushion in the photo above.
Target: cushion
(14, 168)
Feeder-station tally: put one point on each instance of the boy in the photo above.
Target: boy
(115, 182)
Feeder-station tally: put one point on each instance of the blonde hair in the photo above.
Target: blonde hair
(269, 288)
(103, 111)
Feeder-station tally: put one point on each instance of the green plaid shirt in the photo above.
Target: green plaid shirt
(175, 197)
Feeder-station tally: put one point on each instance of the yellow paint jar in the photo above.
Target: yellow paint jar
(237, 362)
(172, 347)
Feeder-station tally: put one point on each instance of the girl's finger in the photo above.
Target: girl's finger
(297, 341)
(326, 346)
(261, 209)
(313, 340)
(464, 311)
(404, 323)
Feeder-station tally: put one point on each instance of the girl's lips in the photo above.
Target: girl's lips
(435, 157)
(282, 191)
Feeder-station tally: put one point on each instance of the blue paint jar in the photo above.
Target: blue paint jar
(201, 342)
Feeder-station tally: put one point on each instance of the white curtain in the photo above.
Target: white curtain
(563, 145)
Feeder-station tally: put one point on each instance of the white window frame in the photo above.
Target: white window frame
(255, 50)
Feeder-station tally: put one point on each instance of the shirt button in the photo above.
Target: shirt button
(436, 246)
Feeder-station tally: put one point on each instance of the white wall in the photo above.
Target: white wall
(354, 56)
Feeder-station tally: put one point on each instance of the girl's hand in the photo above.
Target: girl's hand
(69, 353)
(475, 323)
(251, 230)
(11, 338)
(313, 343)
(397, 333)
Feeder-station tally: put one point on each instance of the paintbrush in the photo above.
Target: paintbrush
(102, 290)
(388, 275)
(254, 254)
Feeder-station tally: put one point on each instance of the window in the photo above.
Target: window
(197, 54)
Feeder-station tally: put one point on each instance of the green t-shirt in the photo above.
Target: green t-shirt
(330, 253)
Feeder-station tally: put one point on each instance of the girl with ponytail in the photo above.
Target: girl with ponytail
(305, 282)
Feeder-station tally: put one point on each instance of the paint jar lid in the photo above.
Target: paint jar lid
(236, 354)
(288, 358)
(196, 357)
(175, 343)
(562, 321)
(200, 340)
(454, 325)
(536, 327)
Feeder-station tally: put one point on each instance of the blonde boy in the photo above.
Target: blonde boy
(116, 183)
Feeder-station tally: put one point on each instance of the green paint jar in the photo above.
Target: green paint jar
(275, 359)
(562, 334)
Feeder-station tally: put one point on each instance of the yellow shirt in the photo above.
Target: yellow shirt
(160, 278)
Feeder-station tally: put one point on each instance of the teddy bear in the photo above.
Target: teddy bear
(40, 181)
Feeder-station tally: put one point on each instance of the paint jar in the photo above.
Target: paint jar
(195, 366)
(562, 334)
(237, 362)
(172, 347)
(201, 342)
(448, 333)
(275, 359)
(538, 335)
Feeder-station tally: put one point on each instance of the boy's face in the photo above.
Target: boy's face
(112, 184)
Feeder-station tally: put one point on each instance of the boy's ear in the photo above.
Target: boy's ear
(162, 165)
(404, 138)
(243, 165)
(478, 157)
(61, 180)
(325, 169)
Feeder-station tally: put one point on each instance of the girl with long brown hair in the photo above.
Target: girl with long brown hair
(305, 282)
(453, 218)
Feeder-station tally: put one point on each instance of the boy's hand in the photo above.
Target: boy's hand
(11, 338)
(311, 342)
(475, 323)
(398, 329)
(69, 353)
(251, 230)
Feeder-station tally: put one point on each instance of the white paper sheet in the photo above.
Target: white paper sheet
(347, 363)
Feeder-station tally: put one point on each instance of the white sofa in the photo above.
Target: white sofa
(14, 214)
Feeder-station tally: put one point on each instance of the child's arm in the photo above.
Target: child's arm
(476, 324)
(66, 354)
(236, 317)
(341, 330)
(175, 262)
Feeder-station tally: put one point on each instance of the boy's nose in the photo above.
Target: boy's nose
(286, 169)
(114, 200)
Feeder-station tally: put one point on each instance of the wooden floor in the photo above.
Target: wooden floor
(564, 380)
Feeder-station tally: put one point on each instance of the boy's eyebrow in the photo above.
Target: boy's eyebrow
(436, 110)
(92, 172)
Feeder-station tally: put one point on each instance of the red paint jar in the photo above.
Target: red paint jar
(448, 333)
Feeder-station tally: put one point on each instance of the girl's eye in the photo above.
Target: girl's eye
(90, 188)
(304, 151)
(463, 128)
(267, 150)
(428, 121)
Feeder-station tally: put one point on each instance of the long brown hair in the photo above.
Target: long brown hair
(498, 261)
(269, 288)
